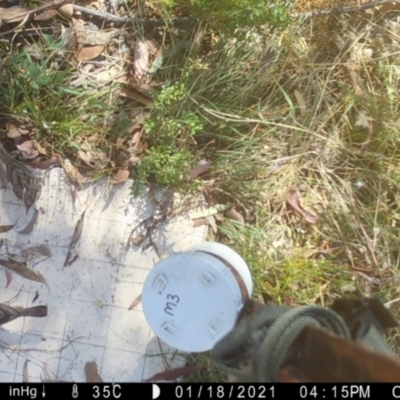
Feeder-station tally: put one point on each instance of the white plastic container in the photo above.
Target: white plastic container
(193, 299)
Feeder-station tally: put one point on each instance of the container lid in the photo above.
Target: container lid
(229, 255)
(191, 300)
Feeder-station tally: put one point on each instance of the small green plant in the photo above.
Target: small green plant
(36, 85)
(230, 15)
(170, 132)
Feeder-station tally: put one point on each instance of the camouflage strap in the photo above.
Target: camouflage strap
(255, 350)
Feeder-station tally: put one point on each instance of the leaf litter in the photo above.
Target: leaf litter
(75, 238)
(292, 199)
(141, 58)
(21, 269)
(6, 228)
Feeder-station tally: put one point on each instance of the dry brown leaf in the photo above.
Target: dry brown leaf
(78, 230)
(141, 58)
(8, 278)
(80, 33)
(121, 176)
(92, 375)
(46, 164)
(293, 199)
(200, 168)
(135, 302)
(74, 174)
(14, 131)
(71, 258)
(35, 251)
(13, 14)
(47, 14)
(87, 53)
(67, 10)
(29, 228)
(137, 96)
(173, 374)
(75, 237)
(6, 228)
(25, 376)
(86, 158)
(236, 215)
(28, 149)
(21, 269)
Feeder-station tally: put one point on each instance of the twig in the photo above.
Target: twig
(140, 21)
(343, 10)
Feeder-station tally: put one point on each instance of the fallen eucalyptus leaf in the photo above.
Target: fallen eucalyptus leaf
(6, 228)
(35, 251)
(78, 230)
(75, 237)
(8, 278)
(29, 228)
(233, 214)
(22, 269)
(92, 375)
(16, 130)
(28, 149)
(293, 199)
(25, 376)
(13, 14)
(70, 260)
(86, 158)
(135, 302)
(86, 53)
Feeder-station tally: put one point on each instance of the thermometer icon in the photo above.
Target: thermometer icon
(74, 391)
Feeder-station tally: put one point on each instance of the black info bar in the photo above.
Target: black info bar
(188, 391)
